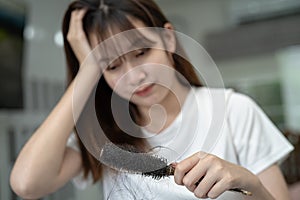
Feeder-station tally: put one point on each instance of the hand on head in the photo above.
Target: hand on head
(77, 37)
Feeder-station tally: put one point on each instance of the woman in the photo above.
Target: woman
(245, 156)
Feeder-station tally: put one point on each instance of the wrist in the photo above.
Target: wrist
(259, 191)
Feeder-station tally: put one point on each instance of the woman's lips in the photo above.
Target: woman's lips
(144, 91)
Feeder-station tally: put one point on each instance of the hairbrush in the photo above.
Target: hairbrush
(126, 158)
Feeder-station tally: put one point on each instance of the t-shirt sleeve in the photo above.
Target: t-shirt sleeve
(79, 181)
(258, 142)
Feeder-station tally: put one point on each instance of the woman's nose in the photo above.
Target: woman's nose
(136, 75)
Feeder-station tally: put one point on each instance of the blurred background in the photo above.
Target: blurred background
(255, 44)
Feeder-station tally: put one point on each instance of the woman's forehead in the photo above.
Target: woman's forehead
(115, 29)
(114, 48)
(120, 44)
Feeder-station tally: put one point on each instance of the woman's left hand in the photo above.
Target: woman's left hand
(217, 175)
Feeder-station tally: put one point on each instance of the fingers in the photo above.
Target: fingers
(207, 175)
(195, 176)
(77, 37)
(76, 27)
(219, 188)
(185, 166)
(76, 19)
(206, 184)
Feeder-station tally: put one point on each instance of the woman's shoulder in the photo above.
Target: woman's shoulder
(227, 97)
(220, 94)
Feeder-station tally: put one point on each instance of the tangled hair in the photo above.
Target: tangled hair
(102, 16)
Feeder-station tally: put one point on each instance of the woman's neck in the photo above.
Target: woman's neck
(160, 116)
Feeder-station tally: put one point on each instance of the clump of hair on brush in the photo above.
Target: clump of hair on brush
(127, 158)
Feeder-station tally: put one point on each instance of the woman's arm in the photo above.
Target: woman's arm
(45, 163)
(273, 181)
(39, 167)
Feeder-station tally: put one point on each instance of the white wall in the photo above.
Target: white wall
(44, 59)
(199, 17)
(289, 67)
(196, 17)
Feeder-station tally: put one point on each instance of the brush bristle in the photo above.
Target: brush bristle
(160, 173)
(127, 159)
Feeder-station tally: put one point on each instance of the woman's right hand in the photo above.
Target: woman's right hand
(77, 37)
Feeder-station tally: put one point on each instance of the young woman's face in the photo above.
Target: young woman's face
(144, 76)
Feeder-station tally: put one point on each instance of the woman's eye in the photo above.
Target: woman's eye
(113, 67)
(141, 52)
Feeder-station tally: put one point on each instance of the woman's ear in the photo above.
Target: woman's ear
(169, 37)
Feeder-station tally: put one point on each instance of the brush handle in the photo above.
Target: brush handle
(171, 169)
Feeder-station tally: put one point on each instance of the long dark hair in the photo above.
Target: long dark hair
(101, 15)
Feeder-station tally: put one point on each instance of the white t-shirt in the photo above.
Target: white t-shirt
(245, 137)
